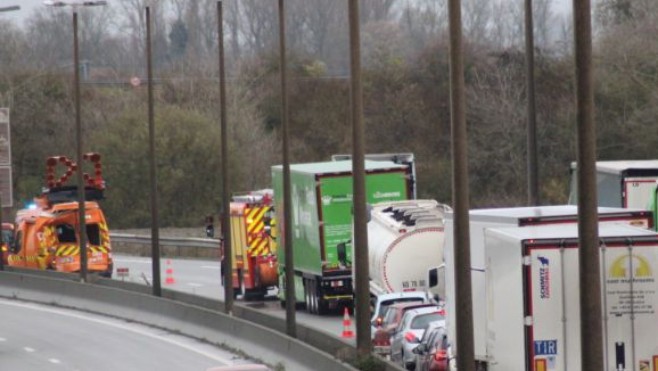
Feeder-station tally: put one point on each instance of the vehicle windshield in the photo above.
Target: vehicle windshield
(65, 233)
(389, 317)
(383, 307)
(422, 320)
(7, 236)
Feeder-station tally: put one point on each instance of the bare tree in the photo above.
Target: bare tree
(259, 25)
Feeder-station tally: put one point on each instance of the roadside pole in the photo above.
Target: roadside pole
(460, 193)
(291, 319)
(360, 266)
(591, 327)
(227, 262)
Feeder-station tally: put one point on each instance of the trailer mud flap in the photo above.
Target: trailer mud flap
(540, 365)
(620, 356)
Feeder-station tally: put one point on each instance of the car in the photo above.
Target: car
(380, 304)
(410, 330)
(381, 340)
(432, 352)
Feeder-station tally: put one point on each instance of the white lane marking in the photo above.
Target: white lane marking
(195, 284)
(55, 361)
(210, 267)
(119, 326)
(29, 350)
(3, 339)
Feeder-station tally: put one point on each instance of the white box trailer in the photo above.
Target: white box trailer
(483, 219)
(533, 295)
(620, 183)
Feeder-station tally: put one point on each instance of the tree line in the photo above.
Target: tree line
(406, 95)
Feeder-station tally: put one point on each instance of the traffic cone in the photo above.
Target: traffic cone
(347, 324)
(169, 280)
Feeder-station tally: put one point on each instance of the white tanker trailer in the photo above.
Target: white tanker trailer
(405, 243)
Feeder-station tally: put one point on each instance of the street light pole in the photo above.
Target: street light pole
(155, 223)
(78, 136)
(78, 126)
(227, 263)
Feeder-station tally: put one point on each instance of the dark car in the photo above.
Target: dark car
(382, 337)
(431, 353)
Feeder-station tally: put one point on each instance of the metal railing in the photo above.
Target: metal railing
(135, 239)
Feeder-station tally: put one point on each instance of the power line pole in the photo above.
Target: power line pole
(360, 266)
(533, 177)
(291, 319)
(227, 262)
(155, 224)
(591, 328)
(460, 193)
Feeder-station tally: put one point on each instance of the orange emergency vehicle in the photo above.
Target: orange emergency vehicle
(253, 244)
(48, 233)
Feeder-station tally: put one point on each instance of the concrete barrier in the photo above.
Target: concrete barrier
(187, 314)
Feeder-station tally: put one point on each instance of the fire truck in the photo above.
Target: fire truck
(47, 234)
(253, 244)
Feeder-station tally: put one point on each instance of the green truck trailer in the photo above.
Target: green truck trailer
(321, 218)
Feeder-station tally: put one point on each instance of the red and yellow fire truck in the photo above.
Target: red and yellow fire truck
(253, 244)
(48, 233)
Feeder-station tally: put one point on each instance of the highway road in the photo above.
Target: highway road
(202, 277)
(36, 337)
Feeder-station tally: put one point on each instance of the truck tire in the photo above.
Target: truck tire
(307, 296)
(314, 296)
(321, 305)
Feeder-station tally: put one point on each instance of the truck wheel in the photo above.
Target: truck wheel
(307, 296)
(314, 297)
(321, 305)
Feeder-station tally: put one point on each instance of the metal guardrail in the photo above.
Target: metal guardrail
(134, 239)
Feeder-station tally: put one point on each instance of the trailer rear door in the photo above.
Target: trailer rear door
(630, 302)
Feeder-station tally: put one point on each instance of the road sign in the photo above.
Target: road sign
(122, 272)
(6, 188)
(5, 159)
(5, 144)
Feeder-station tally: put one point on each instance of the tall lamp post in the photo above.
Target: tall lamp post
(78, 124)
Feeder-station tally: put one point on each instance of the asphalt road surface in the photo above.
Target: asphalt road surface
(202, 277)
(36, 337)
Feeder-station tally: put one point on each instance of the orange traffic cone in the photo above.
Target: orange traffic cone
(347, 325)
(169, 280)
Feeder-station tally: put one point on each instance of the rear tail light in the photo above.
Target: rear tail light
(410, 337)
(440, 355)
